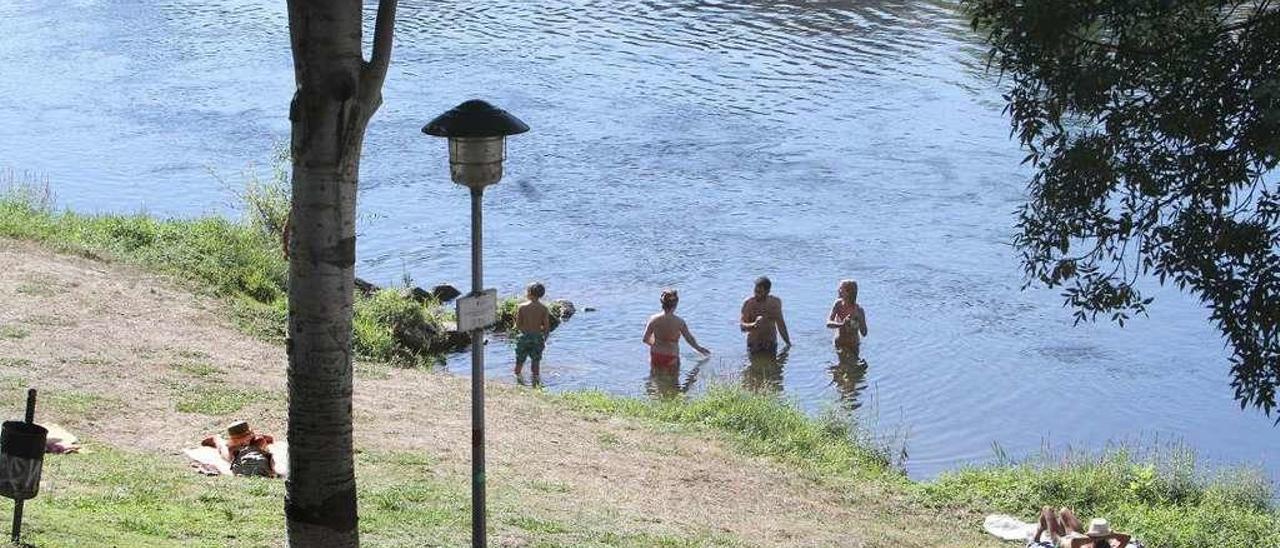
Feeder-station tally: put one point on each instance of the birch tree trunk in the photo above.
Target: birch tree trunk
(337, 92)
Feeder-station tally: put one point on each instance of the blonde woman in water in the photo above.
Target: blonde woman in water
(848, 319)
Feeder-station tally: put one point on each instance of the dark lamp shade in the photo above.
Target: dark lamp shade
(475, 118)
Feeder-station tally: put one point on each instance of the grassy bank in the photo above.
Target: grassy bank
(826, 447)
(239, 260)
(133, 498)
(1163, 497)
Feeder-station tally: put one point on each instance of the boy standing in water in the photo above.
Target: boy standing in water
(848, 319)
(533, 320)
(762, 319)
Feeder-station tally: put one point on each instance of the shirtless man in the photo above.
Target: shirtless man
(664, 331)
(533, 320)
(762, 319)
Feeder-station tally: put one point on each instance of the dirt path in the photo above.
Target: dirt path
(126, 350)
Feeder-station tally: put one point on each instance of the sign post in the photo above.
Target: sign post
(477, 310)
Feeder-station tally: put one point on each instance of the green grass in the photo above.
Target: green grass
(16, 363)
(56, 405)
(47, 320)
(536, 525)
(197, 368)
(72, 403)
(95, 361)
(1164, 498)
(13, 332)
(217, 401)
(38, 288)
(759, 424)
(111, 497)
(546, 486)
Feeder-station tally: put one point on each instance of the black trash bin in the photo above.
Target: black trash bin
(21, 459)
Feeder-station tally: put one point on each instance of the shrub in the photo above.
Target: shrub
(391, 326)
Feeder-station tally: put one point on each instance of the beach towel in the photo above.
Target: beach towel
(59, 440)
(1008, 527)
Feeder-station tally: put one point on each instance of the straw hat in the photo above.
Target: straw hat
(1099, 528)
(238, 431)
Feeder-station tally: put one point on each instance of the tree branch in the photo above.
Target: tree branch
(1258, 16)
(297, 29)
(375, 71)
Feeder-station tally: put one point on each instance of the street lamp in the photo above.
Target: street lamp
(477, 133)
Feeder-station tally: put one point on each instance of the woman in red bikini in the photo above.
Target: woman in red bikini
(664, 331)
(848, 319)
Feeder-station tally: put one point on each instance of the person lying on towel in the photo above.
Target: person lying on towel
(246, 450)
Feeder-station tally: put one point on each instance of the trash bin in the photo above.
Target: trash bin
(21, 459)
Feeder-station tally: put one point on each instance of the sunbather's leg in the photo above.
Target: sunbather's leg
(1049, 522)
(1070, 521)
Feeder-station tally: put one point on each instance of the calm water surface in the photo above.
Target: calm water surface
(692, 144)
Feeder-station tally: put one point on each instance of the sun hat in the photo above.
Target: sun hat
(1099, 528)
(238, 431)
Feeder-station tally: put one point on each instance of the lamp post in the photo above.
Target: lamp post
(477, 134)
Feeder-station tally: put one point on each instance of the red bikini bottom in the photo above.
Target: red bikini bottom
(663, 360)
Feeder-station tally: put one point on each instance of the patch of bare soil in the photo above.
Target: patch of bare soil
(134, 348)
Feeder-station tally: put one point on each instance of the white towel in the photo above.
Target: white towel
(1008, 527)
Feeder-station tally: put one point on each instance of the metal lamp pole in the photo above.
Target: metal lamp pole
(477, 134)
(477, 379)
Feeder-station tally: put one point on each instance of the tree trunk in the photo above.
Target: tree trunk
(337, 93)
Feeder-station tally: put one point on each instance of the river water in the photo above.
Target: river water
(690, 143)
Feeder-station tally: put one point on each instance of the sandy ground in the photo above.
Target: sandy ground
(126, 341)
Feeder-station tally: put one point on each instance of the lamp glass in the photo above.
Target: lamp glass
(476, 161)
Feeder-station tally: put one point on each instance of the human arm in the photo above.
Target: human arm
(684, 330)
(746, 323)
(862, 321)
(545, 326)
(223, 450)
(648, 333)
(782, 325)
(832, 322)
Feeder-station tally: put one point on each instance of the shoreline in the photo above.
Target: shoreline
(751, 425)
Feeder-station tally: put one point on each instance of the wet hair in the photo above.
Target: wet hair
(852, 284)
(537, 290)
(669, 299)
(764, 282)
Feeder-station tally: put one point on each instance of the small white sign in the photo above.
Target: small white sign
(478, 311)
